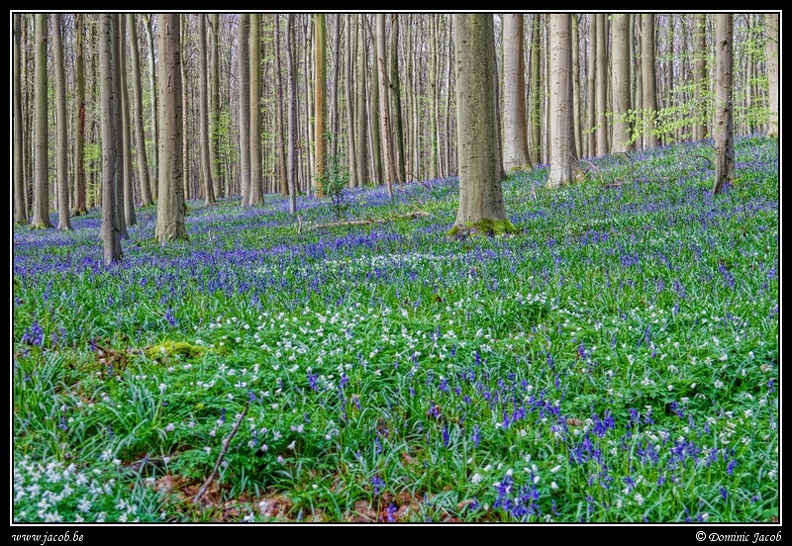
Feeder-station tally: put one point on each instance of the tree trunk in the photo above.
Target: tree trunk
(283, 179)
(291, 164)
(137, 97)
(724, 115)
(591, 94)
(130, 218)
(244, 106)
(561, 128)
(396, 110)
(254, 189)
(373, 110)
(384, 106)
(320, 84)
(203, 119)
(576, 102)
(350, 94)
(648, 81)
(361, 146)
(481, 205)
(621, 84)
(61, 124)
(20, 207)
(515, 141)
(154, 107)
(771, 49)
(602, 86)
(41, 218)
(170, 205)
(214, 106)
(536, 94)
(700, 78)
(79, 206)
(111, 236)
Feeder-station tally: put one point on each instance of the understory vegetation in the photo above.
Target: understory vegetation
(615, 360)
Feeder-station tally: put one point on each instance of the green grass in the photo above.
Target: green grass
(616, 360)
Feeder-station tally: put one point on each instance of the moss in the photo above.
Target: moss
(174, 348)
(483, 228)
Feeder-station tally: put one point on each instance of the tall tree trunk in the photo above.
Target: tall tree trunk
(111, 236)
(350, 102)
(254, 190)
(591, 94)
(334, 112)
(384, 106)
(171, 207)
(700, 78)
(434, 169)
(535, 113)
(481, 203)
(137, 97)
(648, 80)
(320, 83)
(396, 109)
(361, 157)
(621, 84)
(561, 111)
(61, 124)
(214, 105)
(154, 107)
(130, 218)
(515, 145)
(374, 116)
(724, 113)
(244, 106)
(20, 207)
(41, 218)
(576, 102)
(771, 50)
(291, 164)
(602, 86)
(186, 165)
(283, 179)
(79, 205)
(203, 120)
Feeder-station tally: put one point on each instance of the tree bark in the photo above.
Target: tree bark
(396, 109)
(621, 84)
(291, 164)
(41, 218)
(203, 121)
(384, 106)
(137, 97)
(244, 106)
(154, 106)
(111, 236)
(480, 196)
(20, 207)
(602, 86)
(561, 128)
(79, 205)
(64, 222)
(515, 145)
(724, 115)
(254, 189)
(771, 49)
(320, 83)
(170, 204)
(648, 81)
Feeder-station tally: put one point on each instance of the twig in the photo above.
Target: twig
(410, 215)
(226, 443)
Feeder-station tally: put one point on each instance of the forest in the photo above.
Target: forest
(395, 267)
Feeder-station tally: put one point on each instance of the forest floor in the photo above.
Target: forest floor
(615, 361)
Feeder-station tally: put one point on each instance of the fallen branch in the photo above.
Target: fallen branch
(410, 215)
(227, 442)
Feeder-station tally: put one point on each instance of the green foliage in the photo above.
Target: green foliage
(334, 181)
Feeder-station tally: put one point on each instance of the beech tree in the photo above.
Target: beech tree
(203, 121)
(20, 208)
(41, 217)
(771, 49)
(648, 81)
(481, 207)
(171, 207)
(515, 141)
(724, 114)
(111, 104)
(561, 125)
(621, 84)
(62, 162)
